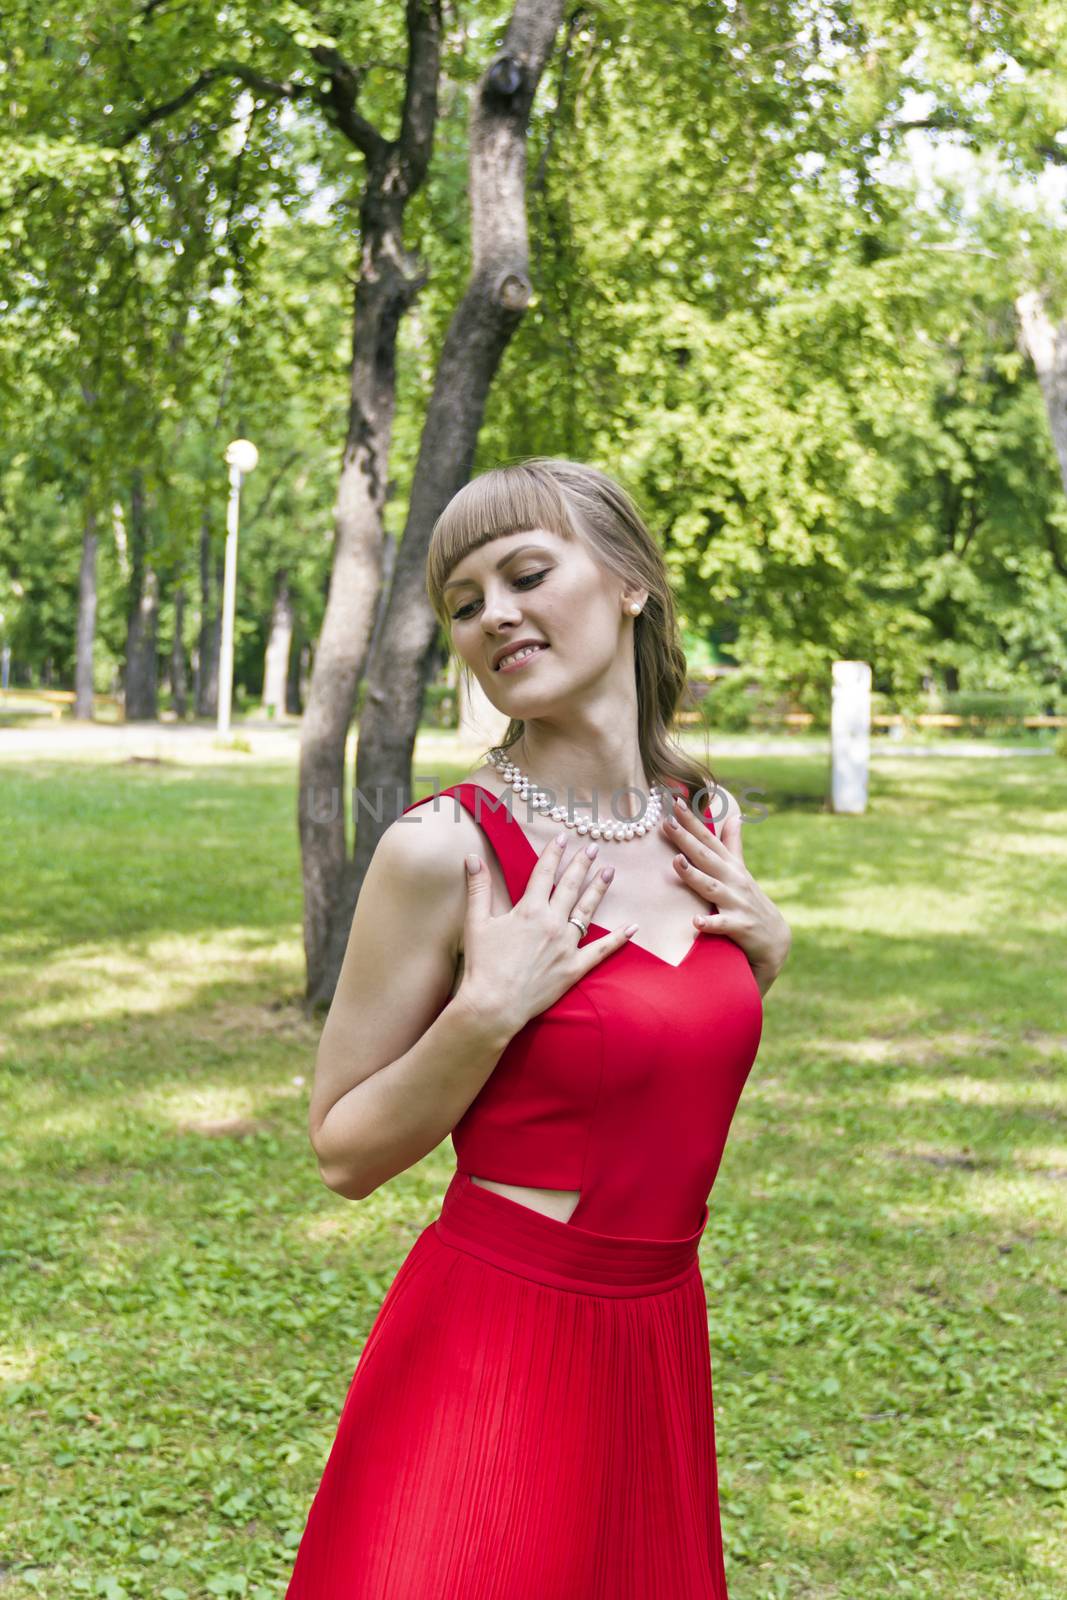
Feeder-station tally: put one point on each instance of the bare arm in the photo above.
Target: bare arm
(395, 1072)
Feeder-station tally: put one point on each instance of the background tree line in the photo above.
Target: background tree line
(397, 247)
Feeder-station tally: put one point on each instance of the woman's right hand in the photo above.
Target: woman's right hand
(518, 964)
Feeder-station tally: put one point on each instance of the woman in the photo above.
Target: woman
(531, 1414)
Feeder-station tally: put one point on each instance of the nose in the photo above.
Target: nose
(499, 610)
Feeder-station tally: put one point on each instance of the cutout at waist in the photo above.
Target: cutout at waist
(482, 1223)
(524, 1195)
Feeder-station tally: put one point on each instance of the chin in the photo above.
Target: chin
(524, 703)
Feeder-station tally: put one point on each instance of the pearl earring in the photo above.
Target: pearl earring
(634, 609)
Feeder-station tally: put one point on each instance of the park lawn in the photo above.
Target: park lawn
(184, 1302)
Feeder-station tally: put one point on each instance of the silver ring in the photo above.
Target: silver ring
(578, 923)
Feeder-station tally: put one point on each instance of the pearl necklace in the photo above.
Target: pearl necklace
(540, 801)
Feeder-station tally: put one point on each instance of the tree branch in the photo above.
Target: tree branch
(936, 122)
(287, 89)
(338, 100)
(268, 495)
(418, 119)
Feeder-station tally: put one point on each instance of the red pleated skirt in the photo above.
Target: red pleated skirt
(530, 1419)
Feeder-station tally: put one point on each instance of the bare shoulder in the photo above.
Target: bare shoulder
(432, 851)
(489, 778)
(400, 962)
(427, 845)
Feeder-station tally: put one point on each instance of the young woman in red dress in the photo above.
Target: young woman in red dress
(561, 963)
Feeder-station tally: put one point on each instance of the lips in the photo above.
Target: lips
(508, 656)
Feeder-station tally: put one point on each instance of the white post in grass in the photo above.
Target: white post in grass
(241, 458)
(850, 735)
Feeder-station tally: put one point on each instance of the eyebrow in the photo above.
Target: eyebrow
(455, 582)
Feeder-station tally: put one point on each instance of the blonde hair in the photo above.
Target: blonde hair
(580, 502)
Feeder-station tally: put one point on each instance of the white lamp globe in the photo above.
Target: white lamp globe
(242, 454)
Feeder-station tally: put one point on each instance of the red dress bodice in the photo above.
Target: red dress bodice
(625, 1087)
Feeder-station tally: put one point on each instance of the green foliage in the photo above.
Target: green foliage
(805, 367)
(730, 704)
(996, 706)
(440, 706)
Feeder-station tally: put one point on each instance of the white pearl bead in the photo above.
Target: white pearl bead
(538, 800)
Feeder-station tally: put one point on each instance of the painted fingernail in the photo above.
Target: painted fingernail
(591, 850)
(631, 928)
(607, 873)
(561, 838)
(681, 862)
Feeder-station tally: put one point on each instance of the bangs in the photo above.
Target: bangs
(502, 500)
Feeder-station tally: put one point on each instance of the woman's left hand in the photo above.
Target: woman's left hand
(715, 868)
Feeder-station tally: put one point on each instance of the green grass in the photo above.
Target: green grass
(184, 1302)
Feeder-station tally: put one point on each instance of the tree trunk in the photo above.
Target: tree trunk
(1046, 345)
(142, 615)
(83, 665)
(492, 307)
(389, 550)
(118, 528)
(178, 677)
(294, 704)
(279, 645)
(209, 638)
(389, 280)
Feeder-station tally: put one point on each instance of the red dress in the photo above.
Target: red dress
(531, 1414)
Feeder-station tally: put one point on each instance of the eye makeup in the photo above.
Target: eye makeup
(525, 582)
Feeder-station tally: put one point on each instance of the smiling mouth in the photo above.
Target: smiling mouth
(520, 655)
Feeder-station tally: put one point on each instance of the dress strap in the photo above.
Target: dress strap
(687, 794)
(513, 850)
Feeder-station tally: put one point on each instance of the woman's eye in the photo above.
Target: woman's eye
(528, 580)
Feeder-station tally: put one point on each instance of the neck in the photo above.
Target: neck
(600, 770)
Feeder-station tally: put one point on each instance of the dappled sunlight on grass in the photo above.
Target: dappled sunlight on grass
(843, 1502)
(1011, 1094)
(61, 1123)
(1021, 1197)
(1048, 1159)
(330, 1225)
(16, 1366)
(1043, 845)
(876, 906)
(883, 1265)
(915, 1049)
(1046, 1044)
(200, 1106)
(354, 1224)
(118, 978)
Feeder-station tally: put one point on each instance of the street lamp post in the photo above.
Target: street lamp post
(241, 458)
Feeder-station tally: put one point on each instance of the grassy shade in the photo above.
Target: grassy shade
(184, 1302)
